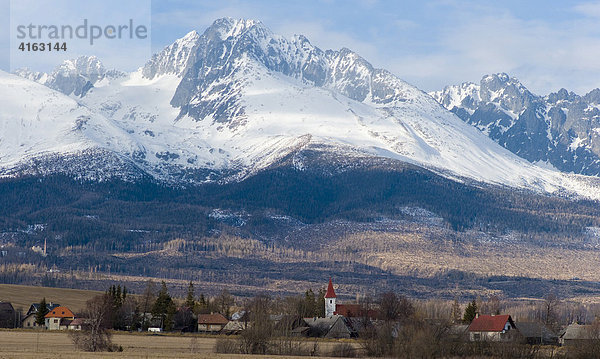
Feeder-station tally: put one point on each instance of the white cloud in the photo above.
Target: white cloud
(590, 9)
(544, 55)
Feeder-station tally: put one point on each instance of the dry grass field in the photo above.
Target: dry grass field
(22, 296)
(25, 344)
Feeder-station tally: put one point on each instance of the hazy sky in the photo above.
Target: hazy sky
(546, 44)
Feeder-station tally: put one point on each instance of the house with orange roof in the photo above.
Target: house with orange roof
(59, 318)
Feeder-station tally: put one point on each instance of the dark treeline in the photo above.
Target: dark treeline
(114, 215)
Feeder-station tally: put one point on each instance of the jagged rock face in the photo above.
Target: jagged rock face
(173, 59)
(561, 129)
(225, 53)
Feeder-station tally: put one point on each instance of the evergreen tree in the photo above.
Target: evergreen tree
(190, 302)
(310, 304)
(164, 308)
(40, 316)
(470, 312)
(201, 306)
(117, 298)
(320, 311)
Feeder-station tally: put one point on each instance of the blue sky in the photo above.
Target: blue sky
(546, 44)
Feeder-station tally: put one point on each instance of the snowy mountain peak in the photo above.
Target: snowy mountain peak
(505, 91)
(238, 98)
(229, 27)
(72, 77)
(464, 95)
(231, 50)
(88, 66)
(561, 129)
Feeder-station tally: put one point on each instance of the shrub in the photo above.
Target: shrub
(343, 350)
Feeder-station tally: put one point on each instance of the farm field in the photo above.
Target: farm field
(21, 296)
(49, 345)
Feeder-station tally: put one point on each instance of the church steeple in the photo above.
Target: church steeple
(330, 300)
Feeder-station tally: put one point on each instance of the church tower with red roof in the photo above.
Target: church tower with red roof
(330, 300)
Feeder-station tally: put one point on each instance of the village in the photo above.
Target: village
(381, 328)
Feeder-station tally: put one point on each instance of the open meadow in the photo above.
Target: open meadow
(27, 344)
(21, 296)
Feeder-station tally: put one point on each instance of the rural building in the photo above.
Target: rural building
(498, 328)
(536, 333)
(234, 327)
(77, 324)
(59, 318)
(335, 326)
(577, 335)
(7, 315)
(285, 324)
(33, 308)
(458, 332)
(29, 322)
(355, 311)
(211, 323)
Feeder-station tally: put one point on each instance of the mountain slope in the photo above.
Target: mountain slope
(561, 129)
(41, 126)
(238, 99)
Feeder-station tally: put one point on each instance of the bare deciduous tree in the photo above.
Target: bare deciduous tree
(550, 307)
(146, 302)
(256, 338)
(224, 301)
(393, 307)
(94, 335)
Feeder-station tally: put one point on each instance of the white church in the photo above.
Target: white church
(330, 308)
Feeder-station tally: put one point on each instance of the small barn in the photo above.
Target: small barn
(334, 326)
(211, 323)
(234, 327)
(77, 324)
(7, 315)
(537, 333)
(577, 334)
(497, 328)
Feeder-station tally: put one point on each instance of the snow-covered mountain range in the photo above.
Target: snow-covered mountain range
(561, 129)
(234, 100)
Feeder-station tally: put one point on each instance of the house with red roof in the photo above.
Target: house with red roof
(59, 318)
(498, 328)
